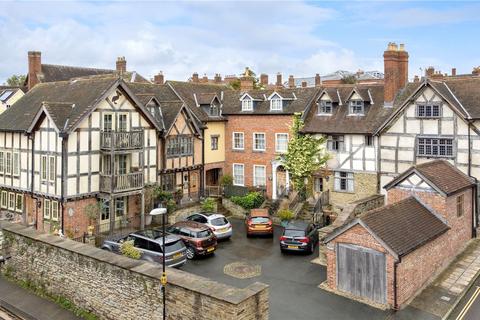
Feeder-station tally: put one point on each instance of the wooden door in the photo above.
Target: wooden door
(194, 182)
(362, 272)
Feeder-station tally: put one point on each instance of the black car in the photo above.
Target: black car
(299, 236)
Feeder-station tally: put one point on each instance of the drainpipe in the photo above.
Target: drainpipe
(63, 176)
(474, 203)
(395, 298)
(32, 175)
(202, 172)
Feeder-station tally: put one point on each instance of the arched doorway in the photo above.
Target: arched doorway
(281, 180)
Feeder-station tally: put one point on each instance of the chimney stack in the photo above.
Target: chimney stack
(396, 70)
(476, 71)
(279, 83)
(217, 78)
(246, 83)
(429, 72)
(121, 65)
(291, 82)
(318, 82)
(454, 72)
(205, 78)
(416, 79)
(195, 77)
(34, 68)
(304, 84)
(264, 79)
(158, 78)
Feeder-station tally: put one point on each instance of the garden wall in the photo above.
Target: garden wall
(115, 287)
(236, 210)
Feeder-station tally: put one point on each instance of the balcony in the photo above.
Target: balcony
(121, 182)
(121, 140)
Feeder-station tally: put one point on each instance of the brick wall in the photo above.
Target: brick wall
(116, 287)
(269, 124)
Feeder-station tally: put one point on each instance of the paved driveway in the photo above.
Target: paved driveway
(293, 280)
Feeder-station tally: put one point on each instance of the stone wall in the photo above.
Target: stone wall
(365, 185)
(236, 210)
(181, 214)
(115, 287)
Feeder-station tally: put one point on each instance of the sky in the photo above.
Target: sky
(301, 38)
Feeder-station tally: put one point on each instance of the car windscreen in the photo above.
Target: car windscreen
(294, 233)
(259, 220)
(174, 246)
(203, 234)
(220, 221)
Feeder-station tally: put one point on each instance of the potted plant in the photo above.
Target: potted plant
(285, 216)
(92, 211)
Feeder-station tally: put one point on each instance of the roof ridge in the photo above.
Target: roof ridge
(77, 67)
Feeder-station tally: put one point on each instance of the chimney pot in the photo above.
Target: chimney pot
(430, 71)
(158, 78)
(34, 68)
(204, 78)
(195, 77)
(291, 82)
(454, 72)
(218, 78)
(121, 65)
(304, 84)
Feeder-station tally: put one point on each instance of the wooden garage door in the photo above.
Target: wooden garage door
(361, 272)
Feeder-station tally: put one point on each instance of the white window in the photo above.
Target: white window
(281, 142)
(324, 107)
(122, 122)
(120, 206)
(19, 202)
(2, 164)
(259, 176)
(16, 163)
(3, 201)
(434, 147)
(43, 168)
(11, 201)
(54, 210)
(335, 143)
(107, 122)
(238, 141)
(247, 104)
(259, 143)
(8, 163)
(356, 107)
(343, 181)
(276, 104)
(238, 174)
(46, 209)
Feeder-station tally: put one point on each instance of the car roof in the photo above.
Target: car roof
(208, 214)
(259, 213)
(145, 234)
(191, 225)
(297, 225)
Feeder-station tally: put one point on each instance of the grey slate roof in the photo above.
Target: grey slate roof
(404, 225)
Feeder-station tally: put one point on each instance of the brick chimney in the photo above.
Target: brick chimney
(429, 72)
(195, 77)
(279, 83)
(217, 78)
(291, 82)
(416, 79)
(246, 83)
(204, 78)
(318, 82)
(304, 84)
(34, 68)
(264, 79)
(396, 70)
(158, 78)
(121, 65)
(476, 71)
(454, 72)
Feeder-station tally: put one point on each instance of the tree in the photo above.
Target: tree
(16, 80)
(305, 155)
(236, 84)
(350, 79)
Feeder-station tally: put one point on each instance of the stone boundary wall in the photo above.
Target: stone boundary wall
(115, 287)
(236, 210)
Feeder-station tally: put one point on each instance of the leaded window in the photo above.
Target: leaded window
(435, 147)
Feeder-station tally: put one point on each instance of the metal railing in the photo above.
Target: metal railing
(295, 200)
(121, 140)
(121, 182)
(213, 191)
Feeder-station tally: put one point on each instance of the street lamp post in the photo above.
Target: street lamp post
(163, 279)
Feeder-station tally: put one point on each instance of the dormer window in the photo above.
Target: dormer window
(247, 105)
(214, 110)
(356, 107)
(324, 107)
(276, 104)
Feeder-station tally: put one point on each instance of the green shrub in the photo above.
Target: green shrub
(285, 215)
(127, 248)
(251, 200)
(171, 205)
(209, 205)
(226, 180)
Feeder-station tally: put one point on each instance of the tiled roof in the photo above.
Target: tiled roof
(404, 225)
(467, 91)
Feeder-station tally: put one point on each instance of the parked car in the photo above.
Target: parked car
(299, 236)
(149, 242)
(259, 222)
(198, 238)
(219, 225)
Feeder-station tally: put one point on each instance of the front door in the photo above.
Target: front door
(362, 272)
(194, 182)
(281, 181)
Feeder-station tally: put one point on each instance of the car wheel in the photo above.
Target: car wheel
(190, 253)
(107, 249)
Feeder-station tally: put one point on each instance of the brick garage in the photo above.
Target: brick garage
(405, 244)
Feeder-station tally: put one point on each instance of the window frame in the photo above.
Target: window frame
(214, 139)
(52, 174)
(426, 110)
(334, 140)
(347, 177)
(255, 184)
(43, 168)
(435, 144)
(234, 174)
(2, 162)
(356, 103)
(276, 104)
(369, 141)
(264, 141)
(322, 105)
(47, 213)
(8, 163)
(15, 163)
(460, 204)
(243, 141)
(4, 199)
(318, 187)
(247, 104)
(276, 142)
(17, 207)
(54, 212)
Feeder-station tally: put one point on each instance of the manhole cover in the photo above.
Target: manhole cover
(242, 270)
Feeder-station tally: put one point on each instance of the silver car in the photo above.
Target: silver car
(219, 225)
(149, 242)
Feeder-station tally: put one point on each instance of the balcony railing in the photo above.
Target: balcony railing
(121, 182)
(121, 140)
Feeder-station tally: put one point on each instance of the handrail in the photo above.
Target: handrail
(122, 139)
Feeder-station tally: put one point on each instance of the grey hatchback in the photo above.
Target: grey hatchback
(149, 242)
(299, 236)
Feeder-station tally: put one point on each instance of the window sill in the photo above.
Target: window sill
(324, 114)
(238, 150)
(344, 191)
(435, 157)
(258, 151)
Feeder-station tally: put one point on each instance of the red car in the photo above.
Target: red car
(258, 222)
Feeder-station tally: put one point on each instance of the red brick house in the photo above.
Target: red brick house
(388, 255)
